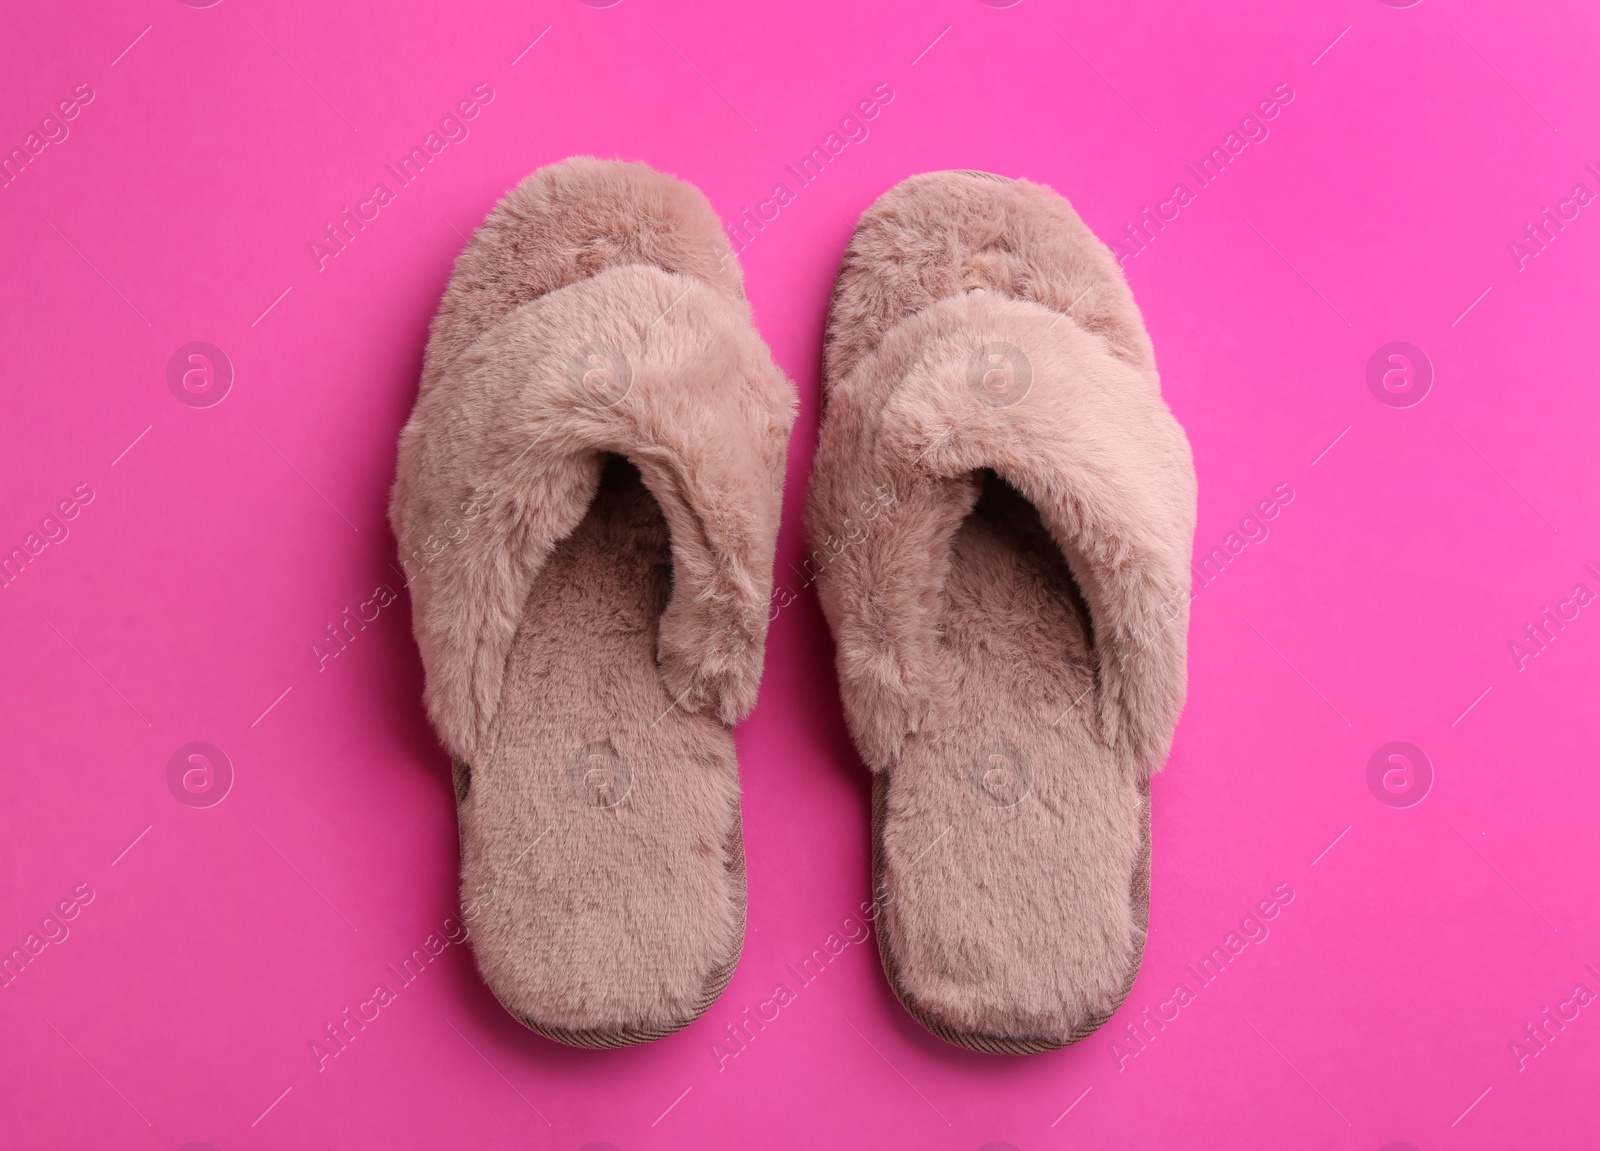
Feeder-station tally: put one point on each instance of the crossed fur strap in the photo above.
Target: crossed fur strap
(502, 458)
(984, 381)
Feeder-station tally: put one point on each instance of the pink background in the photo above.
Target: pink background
(225, 539)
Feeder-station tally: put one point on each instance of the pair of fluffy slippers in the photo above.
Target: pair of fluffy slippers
(1001, 516)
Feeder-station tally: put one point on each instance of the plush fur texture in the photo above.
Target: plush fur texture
(1011, 625)
(590, 629)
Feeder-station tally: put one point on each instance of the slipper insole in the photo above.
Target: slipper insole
(601, 833)
(1013, 851)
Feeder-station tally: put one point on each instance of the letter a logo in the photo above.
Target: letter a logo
(200, 378)
(199, 374)
(1399, 780)
(1399, 375)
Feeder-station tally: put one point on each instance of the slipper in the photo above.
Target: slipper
(587, 505)
(1001, 514)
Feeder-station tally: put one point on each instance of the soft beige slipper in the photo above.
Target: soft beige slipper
(1002, 512)
(587, 505)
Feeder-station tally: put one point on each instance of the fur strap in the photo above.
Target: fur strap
(984, 381)
(503, 455)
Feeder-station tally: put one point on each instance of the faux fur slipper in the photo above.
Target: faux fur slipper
(1001, 513)
(587, 505)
